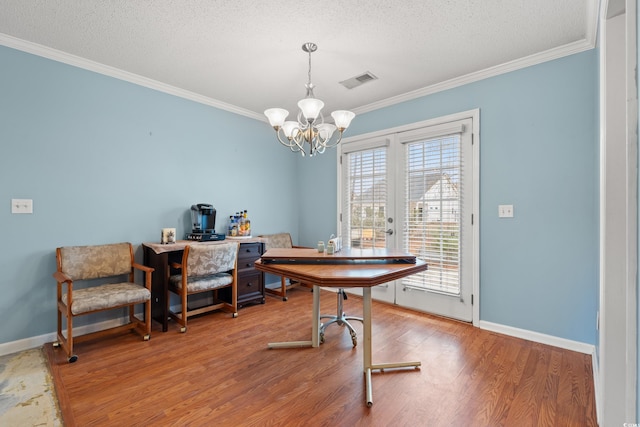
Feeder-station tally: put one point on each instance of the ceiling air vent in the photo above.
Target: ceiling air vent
(358, 80)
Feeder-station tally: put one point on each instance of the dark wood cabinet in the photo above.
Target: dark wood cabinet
(250, 280)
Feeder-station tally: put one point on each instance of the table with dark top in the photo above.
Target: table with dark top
(362, 268)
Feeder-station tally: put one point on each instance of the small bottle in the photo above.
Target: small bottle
(320, 246)
(330, 248)
(236, 220)
(247, 224)
(230, 226)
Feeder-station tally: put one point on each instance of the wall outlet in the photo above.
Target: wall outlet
(21, 206)
(505, 211)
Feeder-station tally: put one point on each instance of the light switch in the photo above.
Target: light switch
(505, 211)
(21, 206)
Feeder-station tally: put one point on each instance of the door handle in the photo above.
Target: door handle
(389, 232)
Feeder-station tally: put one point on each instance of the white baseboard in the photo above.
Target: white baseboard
(580, 347)
(40, 340)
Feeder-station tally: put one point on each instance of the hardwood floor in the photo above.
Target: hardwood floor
(220, 372)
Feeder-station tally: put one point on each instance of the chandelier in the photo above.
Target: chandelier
(310, 127)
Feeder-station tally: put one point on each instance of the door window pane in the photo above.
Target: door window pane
(367, 198)
(432, 211)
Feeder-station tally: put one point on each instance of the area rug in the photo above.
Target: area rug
(27, 395)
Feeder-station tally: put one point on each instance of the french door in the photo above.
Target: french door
(413, 189)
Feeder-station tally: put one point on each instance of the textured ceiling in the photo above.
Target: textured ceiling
(247, 54)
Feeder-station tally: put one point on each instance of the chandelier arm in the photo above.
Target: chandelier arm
(327, 142)
(287, 143)
(298, 141)
(294, 143)
(297, 146)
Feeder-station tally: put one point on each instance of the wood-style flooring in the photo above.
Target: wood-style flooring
(220, 373)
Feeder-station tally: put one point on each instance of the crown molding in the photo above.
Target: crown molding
(593, 16)
(538, 58)
(76, 61)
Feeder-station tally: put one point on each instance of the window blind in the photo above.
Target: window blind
(433, 170)
(365, 196)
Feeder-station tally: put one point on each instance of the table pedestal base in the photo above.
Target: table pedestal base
(315, 327)
(381, 367)
(368, 366)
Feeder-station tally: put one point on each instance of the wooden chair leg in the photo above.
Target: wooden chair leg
(59, 324)
(67, 342)
(234, 297)
(147, 318)
(72, 357)
(184, 312)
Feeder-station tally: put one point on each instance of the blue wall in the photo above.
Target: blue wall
(106, 161)
(539, 152)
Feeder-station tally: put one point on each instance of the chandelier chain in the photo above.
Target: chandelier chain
(309, 72)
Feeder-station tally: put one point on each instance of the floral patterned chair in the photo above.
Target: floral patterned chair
(205, 267)
(90, 267)
(281, 240)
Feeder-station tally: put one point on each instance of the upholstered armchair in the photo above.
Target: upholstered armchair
(98, 278)
(281, 240)
(205, 267)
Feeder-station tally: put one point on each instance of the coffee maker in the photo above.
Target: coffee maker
(203, 222)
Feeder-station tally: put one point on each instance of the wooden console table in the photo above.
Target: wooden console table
(350, 267)
(158, 256)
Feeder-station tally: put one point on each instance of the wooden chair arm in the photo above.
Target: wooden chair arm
(61, 277)
(147, 273)
(143, 267)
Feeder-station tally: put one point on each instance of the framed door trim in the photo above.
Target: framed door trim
(474, 115)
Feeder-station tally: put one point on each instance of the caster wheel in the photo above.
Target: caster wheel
(73, 358)
(183, 329)
(321, 338)
(235, 315)
(285, 299)
(146, 337)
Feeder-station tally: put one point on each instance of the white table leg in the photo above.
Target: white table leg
(368, 365)
(315, 327)
(366, 321)
(315, 321)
